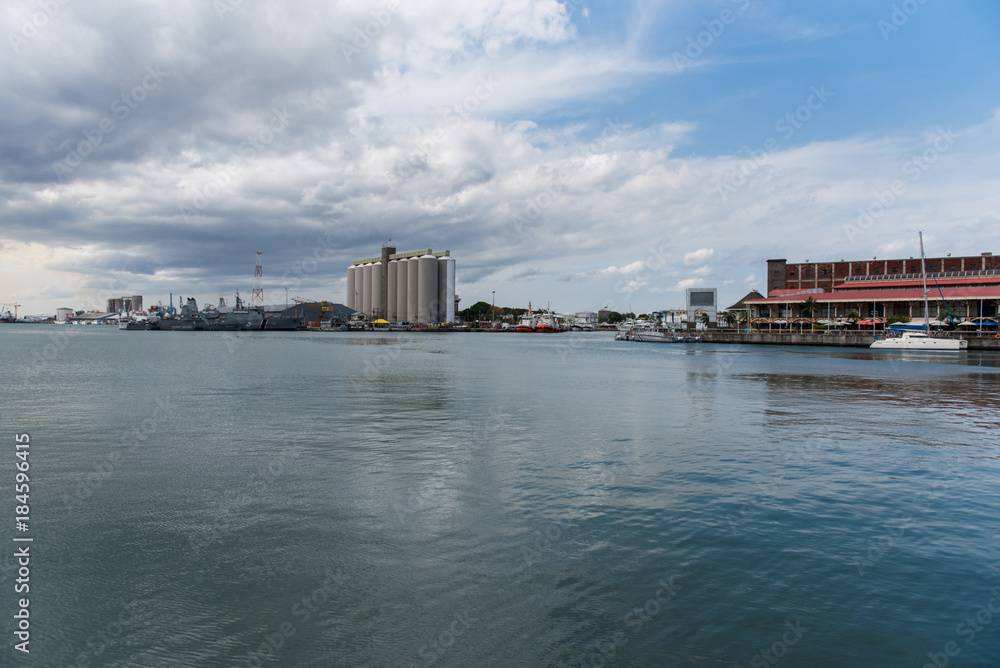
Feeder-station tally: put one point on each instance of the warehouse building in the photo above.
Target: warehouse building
(963, 288)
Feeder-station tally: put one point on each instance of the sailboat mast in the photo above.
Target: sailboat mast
(923, 272)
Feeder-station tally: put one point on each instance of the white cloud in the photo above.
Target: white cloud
(700, 256)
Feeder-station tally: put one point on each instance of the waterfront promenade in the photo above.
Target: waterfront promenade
(845, 339)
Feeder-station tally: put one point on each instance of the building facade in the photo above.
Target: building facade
(814, 275)
(959, 288)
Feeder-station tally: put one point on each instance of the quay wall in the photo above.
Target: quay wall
(986, 342)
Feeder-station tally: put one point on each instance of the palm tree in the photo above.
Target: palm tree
(854, 315)
(729, 318)
(810, 307)
(704, 318)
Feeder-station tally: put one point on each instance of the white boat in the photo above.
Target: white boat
(922, 341)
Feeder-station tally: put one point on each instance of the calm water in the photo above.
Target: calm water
(327, 499)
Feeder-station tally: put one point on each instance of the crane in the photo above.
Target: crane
(8, 309)
(324, 306)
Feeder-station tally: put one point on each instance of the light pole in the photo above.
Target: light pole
(493, 309)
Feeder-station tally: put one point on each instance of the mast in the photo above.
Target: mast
(923, 273)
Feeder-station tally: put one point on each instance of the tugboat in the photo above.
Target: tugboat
(527, 322)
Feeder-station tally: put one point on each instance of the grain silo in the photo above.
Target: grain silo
(391, 307)
(401, 289)
(415, 286)
(446, 289)
(351, 289)
(427, 300)
(366, 290)
(377, 310)
(411, 290)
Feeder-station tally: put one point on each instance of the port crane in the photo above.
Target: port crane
(324, 307)
(8, 309)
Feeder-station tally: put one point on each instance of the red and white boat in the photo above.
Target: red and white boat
(527, 322)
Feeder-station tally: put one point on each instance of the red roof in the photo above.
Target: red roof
(972, 280)
(883, 295)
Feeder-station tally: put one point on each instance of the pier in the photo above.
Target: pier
(847, 340)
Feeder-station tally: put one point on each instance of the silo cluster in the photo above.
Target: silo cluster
(417, 287)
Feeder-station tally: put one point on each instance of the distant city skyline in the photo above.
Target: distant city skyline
(582, 153)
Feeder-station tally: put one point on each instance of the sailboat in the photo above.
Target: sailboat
(921, 341)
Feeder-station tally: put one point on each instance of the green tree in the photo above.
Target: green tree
(703, 317)
(809, 308)
(615, 317)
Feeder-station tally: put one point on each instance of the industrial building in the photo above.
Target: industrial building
(417, 287)
(964, 287)
(125, 304)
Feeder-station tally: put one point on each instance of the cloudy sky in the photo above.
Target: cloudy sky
(587, 153)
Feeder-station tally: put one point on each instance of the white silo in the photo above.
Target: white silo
(350, 288)
(401, 289)
(411, 290)
(442, 289)
(446, 288)
(366, 290)
(378, 308)
(427, 305)
(392, 308)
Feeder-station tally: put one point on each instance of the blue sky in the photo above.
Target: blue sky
(556, 148)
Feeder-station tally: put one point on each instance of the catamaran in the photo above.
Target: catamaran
(921, 341)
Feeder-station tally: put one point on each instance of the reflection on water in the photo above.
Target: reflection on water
(429, 500)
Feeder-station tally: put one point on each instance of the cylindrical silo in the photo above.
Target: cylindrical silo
(359, 287)
(350, 289)
(378, 308)
(446, 266)
(392, 307)
(401, 289)
(366, 289)
(427, 305)
(442, 289)
(411, 290)
(136, 302)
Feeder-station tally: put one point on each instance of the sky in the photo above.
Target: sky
(581, 153)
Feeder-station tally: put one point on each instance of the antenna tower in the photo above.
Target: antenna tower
(258, 284)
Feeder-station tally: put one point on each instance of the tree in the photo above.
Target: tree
(810, 308)
(615, 317)
(854, 315)
(703, 317)
(478, 311)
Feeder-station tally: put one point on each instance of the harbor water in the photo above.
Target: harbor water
(427, 499)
